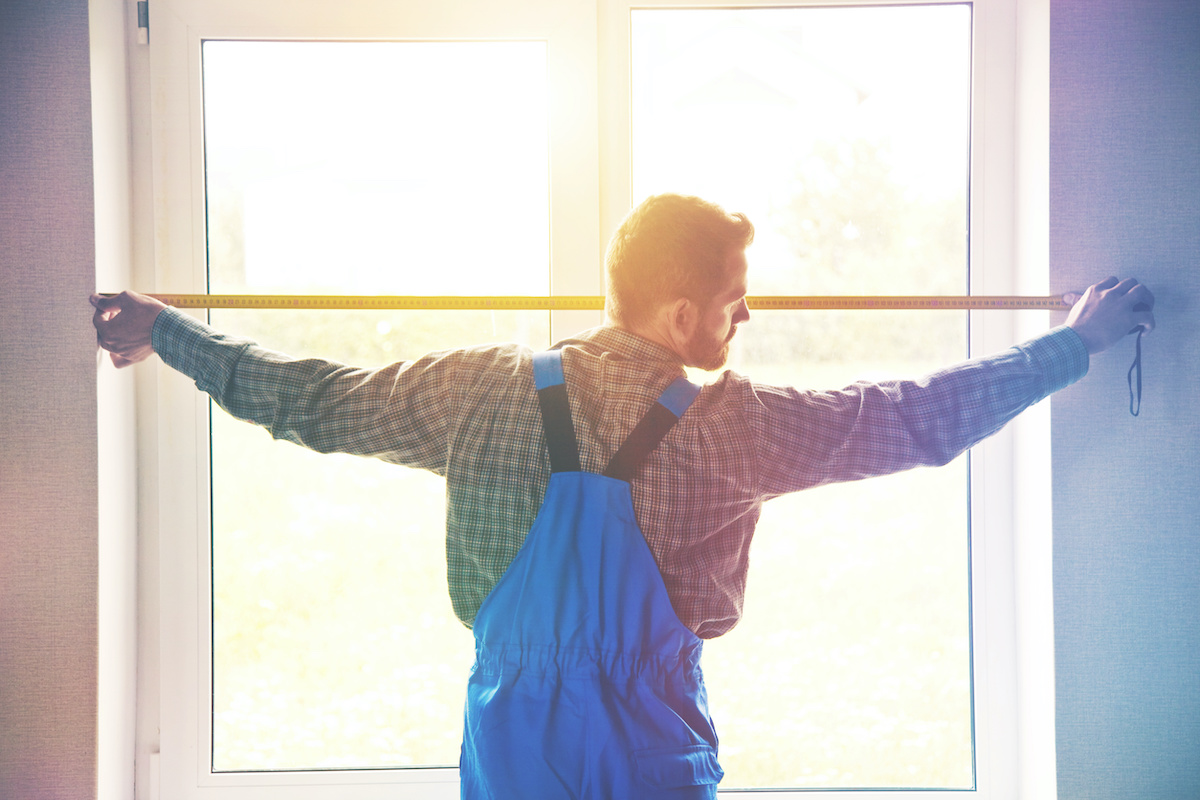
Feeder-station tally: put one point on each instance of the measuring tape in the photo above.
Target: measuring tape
(595, 303)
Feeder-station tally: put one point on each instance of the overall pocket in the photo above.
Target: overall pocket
(678, 767)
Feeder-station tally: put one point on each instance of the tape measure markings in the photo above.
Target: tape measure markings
(596, 303)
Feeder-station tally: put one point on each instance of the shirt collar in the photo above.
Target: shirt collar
(625, 344)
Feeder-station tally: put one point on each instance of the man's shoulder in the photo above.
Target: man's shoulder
(480, 362)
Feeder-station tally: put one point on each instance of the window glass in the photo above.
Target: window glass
(844, 134)
(420, 168)
(356, 168)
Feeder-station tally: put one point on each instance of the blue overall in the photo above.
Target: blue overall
(586, 684)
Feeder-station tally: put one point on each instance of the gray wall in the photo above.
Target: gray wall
(48, 454)
(1125, 200)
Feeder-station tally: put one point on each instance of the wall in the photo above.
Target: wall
(1125, 200)
(48, 452)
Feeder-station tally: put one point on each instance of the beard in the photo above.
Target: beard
(710, 353)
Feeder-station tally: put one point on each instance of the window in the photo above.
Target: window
(334, 644)
(844, 134)
(248, 205)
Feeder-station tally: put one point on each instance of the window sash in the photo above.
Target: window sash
(589, 62)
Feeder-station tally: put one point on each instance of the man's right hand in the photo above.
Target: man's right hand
(1109, 311)
(123, 325)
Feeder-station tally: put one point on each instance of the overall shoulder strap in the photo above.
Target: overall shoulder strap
(671, 404)
(556, 411)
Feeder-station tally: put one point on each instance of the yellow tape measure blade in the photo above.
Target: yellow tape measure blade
(588, 302)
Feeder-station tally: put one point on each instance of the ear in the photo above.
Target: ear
(683, 316)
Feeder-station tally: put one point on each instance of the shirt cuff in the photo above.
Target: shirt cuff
(1061, 356)
(193, 348)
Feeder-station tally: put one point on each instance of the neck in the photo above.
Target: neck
(653, 333)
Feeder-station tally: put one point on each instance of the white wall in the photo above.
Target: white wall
(111, 21)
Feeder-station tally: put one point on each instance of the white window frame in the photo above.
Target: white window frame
(590, 184)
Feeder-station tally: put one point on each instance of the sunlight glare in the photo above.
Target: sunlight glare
(380, 167)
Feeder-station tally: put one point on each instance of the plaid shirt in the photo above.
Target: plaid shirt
(472, 416)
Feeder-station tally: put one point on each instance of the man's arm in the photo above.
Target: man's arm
(810, 438)
(399, 413)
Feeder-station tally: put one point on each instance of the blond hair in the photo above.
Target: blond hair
(670, 246)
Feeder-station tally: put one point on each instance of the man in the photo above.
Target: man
(600, 508)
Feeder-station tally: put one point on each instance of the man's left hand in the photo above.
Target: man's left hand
(1109, 311)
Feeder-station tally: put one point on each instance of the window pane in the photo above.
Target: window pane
(356, 168)
(377, 167)
(844, 134)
